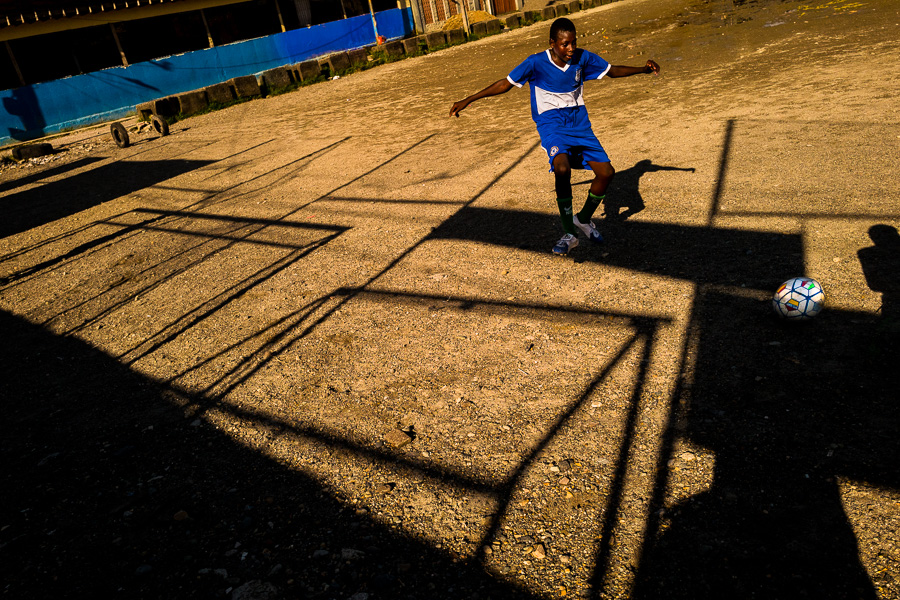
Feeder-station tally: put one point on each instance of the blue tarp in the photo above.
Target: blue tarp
(34, 110)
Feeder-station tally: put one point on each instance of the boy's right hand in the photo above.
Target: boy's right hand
(457, 106)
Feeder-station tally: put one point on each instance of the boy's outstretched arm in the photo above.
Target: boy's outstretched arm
(621, 71)
(500, 86)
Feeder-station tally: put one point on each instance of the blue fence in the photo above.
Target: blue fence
(34, 110)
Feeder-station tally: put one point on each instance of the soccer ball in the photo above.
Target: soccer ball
(799, 299)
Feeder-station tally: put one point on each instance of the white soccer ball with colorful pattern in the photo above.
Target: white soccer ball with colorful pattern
(799, 299)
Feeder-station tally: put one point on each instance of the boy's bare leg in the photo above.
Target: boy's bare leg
(563, 173)
(603, 175)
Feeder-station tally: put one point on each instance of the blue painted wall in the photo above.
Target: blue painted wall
(34, 110)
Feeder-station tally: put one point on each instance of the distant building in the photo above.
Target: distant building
(50, 39)
(438, 11)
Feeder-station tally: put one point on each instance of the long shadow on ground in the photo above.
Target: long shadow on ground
(98, 461)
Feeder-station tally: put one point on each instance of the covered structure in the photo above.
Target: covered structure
(46, 40)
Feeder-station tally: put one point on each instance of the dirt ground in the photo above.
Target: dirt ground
(316, 345)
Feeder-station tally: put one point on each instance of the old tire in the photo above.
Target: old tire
(32, 151)
(119, 135)
(159, 124)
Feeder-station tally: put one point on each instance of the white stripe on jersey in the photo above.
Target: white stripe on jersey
(545, 100)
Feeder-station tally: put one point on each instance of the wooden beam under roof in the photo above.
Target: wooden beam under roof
(89, 13)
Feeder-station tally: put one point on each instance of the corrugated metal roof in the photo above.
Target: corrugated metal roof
(22, 12)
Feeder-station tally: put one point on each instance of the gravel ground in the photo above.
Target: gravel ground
(316, 346)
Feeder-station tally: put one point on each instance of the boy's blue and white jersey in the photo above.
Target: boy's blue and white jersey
(556, 92)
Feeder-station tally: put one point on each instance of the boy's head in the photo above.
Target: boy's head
(562, 40)
(559, 26)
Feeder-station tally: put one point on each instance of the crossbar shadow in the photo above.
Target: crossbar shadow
(36, 206)
(151, 478)
(210, 197)
(703, 255)
(44, 242)
(203, 247)
(48, 173)
(283, 333)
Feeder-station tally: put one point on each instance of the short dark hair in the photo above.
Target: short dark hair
(561, 24)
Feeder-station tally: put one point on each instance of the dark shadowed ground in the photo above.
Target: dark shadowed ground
(212, 341)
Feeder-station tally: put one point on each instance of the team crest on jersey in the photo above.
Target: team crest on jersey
(554, 151)
(577, 75)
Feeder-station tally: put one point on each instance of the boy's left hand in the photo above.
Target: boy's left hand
(652, 67)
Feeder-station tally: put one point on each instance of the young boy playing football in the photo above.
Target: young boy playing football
(556, 77)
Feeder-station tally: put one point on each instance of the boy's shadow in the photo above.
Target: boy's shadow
(623, 198)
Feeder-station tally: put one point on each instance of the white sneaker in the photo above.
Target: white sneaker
(566, 243)
(588, 229)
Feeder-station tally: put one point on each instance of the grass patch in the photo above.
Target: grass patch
(380, 57)
(211, 107)
(284, 89)
(220, 105)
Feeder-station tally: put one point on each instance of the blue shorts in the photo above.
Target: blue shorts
(582, 147)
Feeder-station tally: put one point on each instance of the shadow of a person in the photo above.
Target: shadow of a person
(623, 198)
(23, 103)
(881, 266)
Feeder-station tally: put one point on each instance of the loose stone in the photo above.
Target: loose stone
(397, 438)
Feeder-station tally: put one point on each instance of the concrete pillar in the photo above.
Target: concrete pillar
(206, 27)
(418, 16)
(378, 38)
(15, 64)
(112, 28)
(280, 19)
(304, 14)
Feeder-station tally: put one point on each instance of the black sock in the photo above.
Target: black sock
(590, 206)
